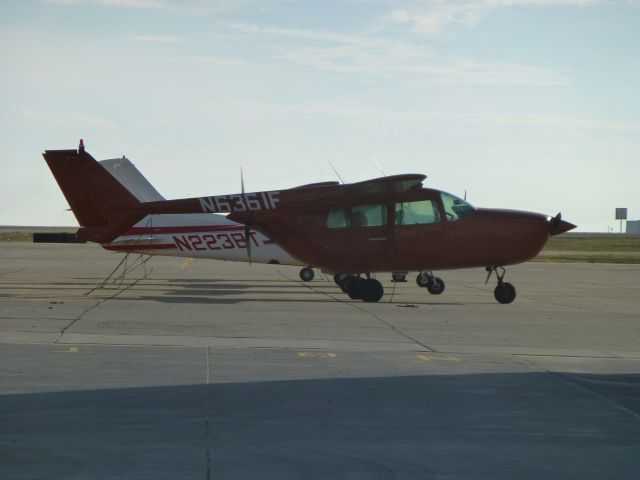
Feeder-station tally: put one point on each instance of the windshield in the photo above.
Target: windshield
(455, 208)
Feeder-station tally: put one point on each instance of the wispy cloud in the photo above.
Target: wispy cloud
(211, 60)
(432, 18)
(355, 111)
(77, 120)
(381, 57)
(148, 4)
(160, 39)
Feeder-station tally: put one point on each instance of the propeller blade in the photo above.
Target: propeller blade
(247, 226)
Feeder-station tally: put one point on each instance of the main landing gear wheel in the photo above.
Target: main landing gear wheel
(339, 277)
(366, 289)
(433, 284)
(436, 286)
(307, 274)
(504, 291)
(345, 281)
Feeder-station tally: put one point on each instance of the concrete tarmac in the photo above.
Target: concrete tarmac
(217, 370)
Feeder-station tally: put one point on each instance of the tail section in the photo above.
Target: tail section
(102, 206)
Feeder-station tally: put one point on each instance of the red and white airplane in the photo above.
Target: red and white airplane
(196, 235)
(390, 224)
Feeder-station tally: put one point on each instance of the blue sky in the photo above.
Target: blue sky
(525, 104)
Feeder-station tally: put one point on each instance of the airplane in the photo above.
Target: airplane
(199, 235)
(387, 224)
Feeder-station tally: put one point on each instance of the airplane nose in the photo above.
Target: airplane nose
(559, 226)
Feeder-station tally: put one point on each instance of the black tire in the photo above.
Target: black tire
(345, 282)
(422, 281)
(338, 277)
(307, 274)
(436, 287)
(505, 293)
(355, 288)
(371, 290)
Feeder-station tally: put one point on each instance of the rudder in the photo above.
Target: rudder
(102, 206)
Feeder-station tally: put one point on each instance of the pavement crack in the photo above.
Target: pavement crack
(95, 305)
(359, 308)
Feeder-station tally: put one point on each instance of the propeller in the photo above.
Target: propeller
(247, 225)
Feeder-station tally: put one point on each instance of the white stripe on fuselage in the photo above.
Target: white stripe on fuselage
(199, 236)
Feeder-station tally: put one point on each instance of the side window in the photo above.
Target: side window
(369, 215)
(338, 218)
(417, 213)
(454, 207)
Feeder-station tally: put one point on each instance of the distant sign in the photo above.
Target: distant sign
(621, 213)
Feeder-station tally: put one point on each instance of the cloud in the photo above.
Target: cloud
(433, 17)
(76, 120)
(376, 57)
(147, 4)
(160, 39)
(420, 118)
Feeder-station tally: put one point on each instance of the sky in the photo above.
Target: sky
(524, 104)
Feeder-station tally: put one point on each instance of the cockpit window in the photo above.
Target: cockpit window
(369, 215)
(338, 218)
(455, 208)
(417, 213)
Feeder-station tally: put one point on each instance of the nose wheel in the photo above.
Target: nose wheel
(504, 292)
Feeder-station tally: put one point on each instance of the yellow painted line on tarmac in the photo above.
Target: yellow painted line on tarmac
(70, 350)
(437, 358)
(317, 354)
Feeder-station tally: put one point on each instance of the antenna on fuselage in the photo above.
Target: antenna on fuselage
(375, 160)
(336, 172)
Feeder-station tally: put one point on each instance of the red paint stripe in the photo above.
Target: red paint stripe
(134, 247)
(189, 229)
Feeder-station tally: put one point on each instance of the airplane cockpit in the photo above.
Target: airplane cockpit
(418, 211)
(455, 208)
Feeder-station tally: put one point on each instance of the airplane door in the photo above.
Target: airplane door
(371, 237)
(418, 232)
(338, 244)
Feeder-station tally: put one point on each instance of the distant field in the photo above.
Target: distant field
(8, 236)
(25, 234)
(591, 249)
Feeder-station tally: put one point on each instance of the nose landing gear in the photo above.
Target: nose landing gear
(504, 291)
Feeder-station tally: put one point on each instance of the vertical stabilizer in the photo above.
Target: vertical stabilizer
(102, 206)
